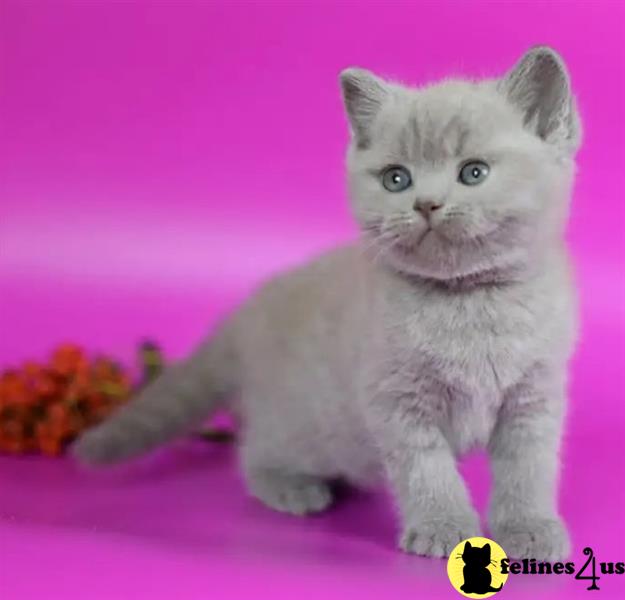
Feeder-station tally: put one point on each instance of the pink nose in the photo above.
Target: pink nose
(426, 207)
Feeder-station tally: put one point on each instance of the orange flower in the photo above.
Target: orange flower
(32, 369)
(44, 385)
(43, 407)
(13, 387)
(68, 359)
(103, 368)
(51, 446)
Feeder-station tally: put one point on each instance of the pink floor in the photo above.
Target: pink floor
(157, 159)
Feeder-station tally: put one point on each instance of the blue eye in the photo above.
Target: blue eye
(473, 172)
(396, 179)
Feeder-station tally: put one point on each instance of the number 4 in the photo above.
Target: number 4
(594, 578)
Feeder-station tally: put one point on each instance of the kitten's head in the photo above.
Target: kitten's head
(461, 178)
(474, 556)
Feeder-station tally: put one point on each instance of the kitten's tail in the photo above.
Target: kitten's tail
(181, 397)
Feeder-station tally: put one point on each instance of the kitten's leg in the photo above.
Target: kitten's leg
(278, 471)
(524, 455)
(433, 500)
(292, 493)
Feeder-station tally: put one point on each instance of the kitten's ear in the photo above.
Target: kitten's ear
(486, 549)
(363, 95)
(540, 87)
(467, 546)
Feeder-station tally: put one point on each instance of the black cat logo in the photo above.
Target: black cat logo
(477, 577)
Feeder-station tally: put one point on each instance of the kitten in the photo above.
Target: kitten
(447, 326)
(477, 577)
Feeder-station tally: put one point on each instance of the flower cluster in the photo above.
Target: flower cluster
(43, 407)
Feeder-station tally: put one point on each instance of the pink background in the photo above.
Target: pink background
(156, 161)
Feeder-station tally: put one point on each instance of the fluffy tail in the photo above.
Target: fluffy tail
(181, 397)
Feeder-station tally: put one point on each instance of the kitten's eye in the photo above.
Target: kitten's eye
(396, 179)
(473, 172)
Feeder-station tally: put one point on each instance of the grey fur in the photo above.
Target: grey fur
(389, 358)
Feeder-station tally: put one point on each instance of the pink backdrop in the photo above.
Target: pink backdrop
(156, 161)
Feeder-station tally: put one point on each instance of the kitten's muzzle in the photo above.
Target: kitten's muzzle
(426, 206)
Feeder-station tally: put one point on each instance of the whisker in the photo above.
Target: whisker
(383, 243)
(372, 244)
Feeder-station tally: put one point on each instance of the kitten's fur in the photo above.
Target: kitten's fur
(390, 357)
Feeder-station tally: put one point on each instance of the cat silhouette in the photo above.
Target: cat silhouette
(477, 577)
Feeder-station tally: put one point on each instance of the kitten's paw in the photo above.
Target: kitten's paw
(293, 494)
(543, 539)
(439, 536)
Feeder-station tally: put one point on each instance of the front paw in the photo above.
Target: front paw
(438, 536)
(540, 538)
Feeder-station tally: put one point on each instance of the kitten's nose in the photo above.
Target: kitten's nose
(426, 206)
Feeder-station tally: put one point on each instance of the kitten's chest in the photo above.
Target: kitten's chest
(476, 348)
(480, 343)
